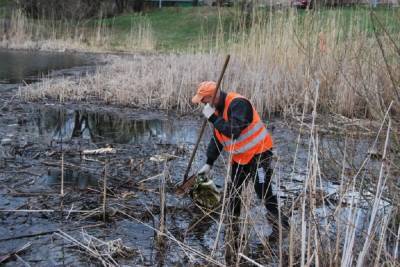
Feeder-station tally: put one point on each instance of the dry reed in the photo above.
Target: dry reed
(60, 35)
(163, 209)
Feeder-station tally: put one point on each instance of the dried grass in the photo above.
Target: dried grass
(59, 35)
(103, 251)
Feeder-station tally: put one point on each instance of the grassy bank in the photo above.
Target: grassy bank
(178, 28)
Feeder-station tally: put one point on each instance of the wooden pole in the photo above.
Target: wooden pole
(185, 177)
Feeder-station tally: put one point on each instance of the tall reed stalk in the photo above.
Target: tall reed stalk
(104, 204)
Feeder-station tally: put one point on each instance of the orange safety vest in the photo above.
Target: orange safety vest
(253, 140)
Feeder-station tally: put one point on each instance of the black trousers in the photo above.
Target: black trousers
(259, 171)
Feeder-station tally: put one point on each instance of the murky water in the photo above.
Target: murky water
(16, 66)
(77, 179)
(46, 131)
(108, 128)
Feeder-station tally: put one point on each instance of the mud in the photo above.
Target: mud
(43, 142)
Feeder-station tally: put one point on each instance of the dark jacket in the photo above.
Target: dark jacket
(240, 115)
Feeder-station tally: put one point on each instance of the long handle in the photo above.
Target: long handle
(205, 121)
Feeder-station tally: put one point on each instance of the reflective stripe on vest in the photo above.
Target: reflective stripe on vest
(254, 139)
(252, 143)
(242, 137)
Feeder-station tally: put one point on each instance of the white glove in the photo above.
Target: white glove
(208, 110)
(205, 169)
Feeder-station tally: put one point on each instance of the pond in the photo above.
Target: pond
(28, 66)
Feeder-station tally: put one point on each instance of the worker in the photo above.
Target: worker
(239, 130)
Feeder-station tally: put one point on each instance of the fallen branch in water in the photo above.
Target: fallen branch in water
(30, 194)
(99, 151)
(150, 178)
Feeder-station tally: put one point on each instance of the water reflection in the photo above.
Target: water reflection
(76, 178)
(63, 124)
(16, 66)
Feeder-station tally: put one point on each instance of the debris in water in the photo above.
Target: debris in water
(128, 195)
(162, 157)
(104, 251)
(6, 141)
(99, 151)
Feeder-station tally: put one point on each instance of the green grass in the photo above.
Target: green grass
(4, 3)
(177, 28)
(180, 28)
(4, 7)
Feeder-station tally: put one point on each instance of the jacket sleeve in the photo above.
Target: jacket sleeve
(240, 115)
(213, 150)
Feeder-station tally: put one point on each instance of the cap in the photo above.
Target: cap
(204, 89)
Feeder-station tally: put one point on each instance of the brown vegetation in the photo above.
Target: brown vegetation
(19, 32)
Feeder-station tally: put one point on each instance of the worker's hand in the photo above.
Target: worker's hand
(208, 110)
(205, 169)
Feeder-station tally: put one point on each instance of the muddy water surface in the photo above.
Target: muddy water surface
(37, 139)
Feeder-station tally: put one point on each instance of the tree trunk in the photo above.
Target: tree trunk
(121, 5)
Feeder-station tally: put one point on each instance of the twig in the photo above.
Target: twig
(389, 70)
(30, 194)
(92, 252)
(160, 233)
(21, 260)
(99, 151)
(33, 211)
(224, 199)
(150, 178)
(9, 255)
(62, 175)
(8, 102)
(70, 210)
(24, 171)
(105, 192)
(386, 32)
(250, 260)
(48, 232)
